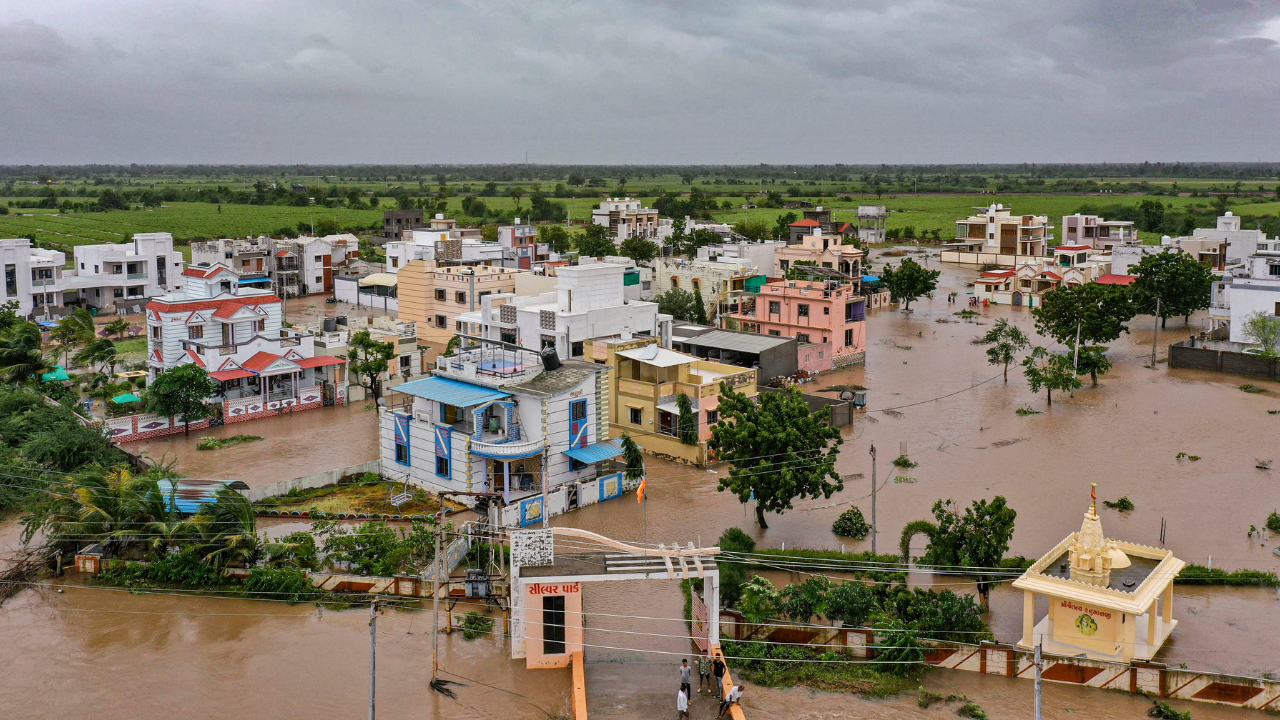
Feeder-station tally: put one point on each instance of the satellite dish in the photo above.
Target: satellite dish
(382, 402)
(846, 396)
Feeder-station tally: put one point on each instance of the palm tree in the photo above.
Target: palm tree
(74, 330)
(102, 351)
(117, 327)
(110, 506)
(229, 529)
(20, 357)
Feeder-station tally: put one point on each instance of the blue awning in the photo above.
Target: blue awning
(450, 392)
(247, 281)
(595, 452)
(870, 278)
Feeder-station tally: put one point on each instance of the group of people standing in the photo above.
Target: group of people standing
(708, 668)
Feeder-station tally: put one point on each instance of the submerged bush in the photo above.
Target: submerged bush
(852, 524)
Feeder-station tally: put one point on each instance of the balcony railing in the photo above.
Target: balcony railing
(136, 276)
(522, 448)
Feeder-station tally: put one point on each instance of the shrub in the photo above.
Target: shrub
(904, 462)
(475, 625)
(972, 710)
(1124, 504)
(183, 569)
(733, 575)
(851, 603)
(1273, 521)
(1164, 711)
(938, 615)
(851, 524)
(900, 652)
(288, 584)
(759, 600)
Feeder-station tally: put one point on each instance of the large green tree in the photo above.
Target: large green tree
(688, 420)
(974, 540)
(1051, 371)
(594, 241)
(1264, 329)
(367, 359)
(777, 448)
(21, 359)
(677, 303)
(638, 249)
(181, 393)
(1098, 312)
(909, 281)
(556, 237)
(1005, 341)
(699, 307)
(1180, 283)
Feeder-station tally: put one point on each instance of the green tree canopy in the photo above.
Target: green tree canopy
(1098, 311)
(1006, 341)
(367, 359)
(1180, 283)
(21, 360)
(638, 249)
(677, 303)
(181, 393)
(1264, 329)
(699, 307)
(594, 241)
(1051, 371)
(975, 540)
(633, 458)
(909, 281)
(778, 449)
(688, 420)
(556, 237)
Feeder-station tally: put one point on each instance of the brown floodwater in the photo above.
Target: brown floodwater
(92, 652)
(294, 445)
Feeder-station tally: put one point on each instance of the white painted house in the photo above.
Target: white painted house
(32, 276)
(1248, 290)
(236, 334)
(589, 302)
(493, 419)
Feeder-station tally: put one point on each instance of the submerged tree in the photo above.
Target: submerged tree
(181, 393)
(778, 449)
(1178, 281)
(367, 359)
(633, 458)
(974, 541)
(909, 281)
(688, 420)
(1264, 329)
(1005, 341)
(1051, 371)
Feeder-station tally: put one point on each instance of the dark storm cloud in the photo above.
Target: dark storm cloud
(737, 81)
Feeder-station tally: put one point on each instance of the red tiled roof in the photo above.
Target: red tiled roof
(998, 273)
(260, 361)
(1073, 248)
(1050, 273)
(1110, 279)
(282, 253)
(208, 272)
(226, 375)
(806, 223)
(843, 227)
(192, 305)
(195, 358)
(319, 361)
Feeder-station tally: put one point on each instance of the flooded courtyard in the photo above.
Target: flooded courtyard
(62, 654)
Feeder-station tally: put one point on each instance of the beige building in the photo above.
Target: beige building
(828, 251)
(647, 384)
(998, 236)
(628, 218)
(1108, 599)
(718, 280)
(433, 298)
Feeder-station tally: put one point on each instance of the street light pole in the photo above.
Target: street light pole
(873, 498)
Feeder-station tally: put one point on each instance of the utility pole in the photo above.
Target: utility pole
(1155, 338)
(1038, 668)
(373, 658)
(873, 498)
(435, 609)
(1075, 362)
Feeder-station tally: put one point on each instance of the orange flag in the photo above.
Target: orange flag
(640, 491)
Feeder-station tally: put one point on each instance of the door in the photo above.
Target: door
(1017, 298)
(553, 625)
(579, 428)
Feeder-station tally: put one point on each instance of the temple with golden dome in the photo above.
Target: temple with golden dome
(1108, 599)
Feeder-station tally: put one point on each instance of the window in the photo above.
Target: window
(775, 333)
(675, 282)
(802, 338)
(848, 338)
(439, 293)
(637, 416)
(460, 296)
(195, 332)
(553, 625)
(319, 280)
(775, 307)
(442, 466)
(826, 310)
(231, 384)
(259, 325)
(395, 262)
(1273, 269)
(713, 416)
(696, 285)
(442, 321)
(576, 464)
(784, 264)
(11, 280)
(578, 410)
(406, 364)
(575, 350)
(402, 453)
(449, 414)
(155, 332)
(118, 292)
(508, 337)
(548, 342)
(319, 258)
(802, 310)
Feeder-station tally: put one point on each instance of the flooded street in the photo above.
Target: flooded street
(67, 655)
(293, 446)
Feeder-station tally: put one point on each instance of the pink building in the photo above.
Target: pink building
(814, 313)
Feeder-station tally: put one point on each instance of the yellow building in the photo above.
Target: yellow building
(433, 297)
(1108, 599)
(646, 385)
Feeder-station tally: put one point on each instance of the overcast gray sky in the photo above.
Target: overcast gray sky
(652, 81)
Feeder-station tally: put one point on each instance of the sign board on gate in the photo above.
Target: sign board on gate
(701, 625)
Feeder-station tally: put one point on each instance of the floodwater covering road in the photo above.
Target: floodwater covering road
(111, 654)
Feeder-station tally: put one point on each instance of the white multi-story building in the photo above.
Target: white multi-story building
(519, 243)
(1241, 244)
(589, 302)
(759, 254)
(31, 275)
(637, 280)
(494, 419)
(442, 247)
(236, 333)
(1248, 290)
